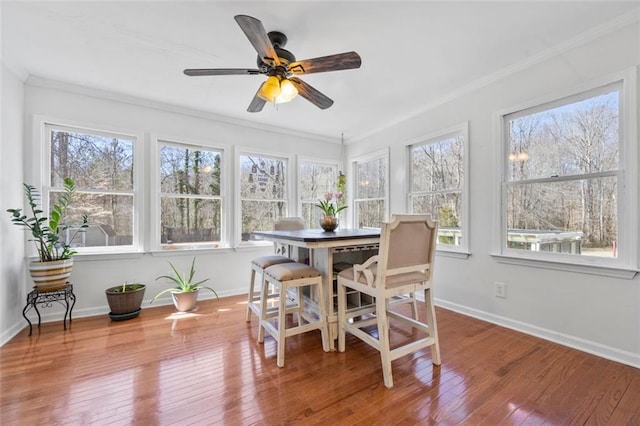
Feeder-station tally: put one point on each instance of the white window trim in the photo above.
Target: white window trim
(627, 265)
(384, 154)
(153, 228)
(460, 129)
(292, 166)
(41, 159)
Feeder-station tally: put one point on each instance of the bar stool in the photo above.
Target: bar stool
(287, 276)
(258, 265)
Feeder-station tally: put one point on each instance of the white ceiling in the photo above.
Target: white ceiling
(414, 54)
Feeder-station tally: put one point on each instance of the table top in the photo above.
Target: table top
(318, 235)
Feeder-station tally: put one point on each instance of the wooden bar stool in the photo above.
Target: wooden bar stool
(287, 276)
(258, 265)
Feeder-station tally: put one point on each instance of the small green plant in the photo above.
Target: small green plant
(125, 287)
(46, 231)
(184, 283)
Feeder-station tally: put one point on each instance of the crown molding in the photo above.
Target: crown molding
(563, 47)
(36, 81)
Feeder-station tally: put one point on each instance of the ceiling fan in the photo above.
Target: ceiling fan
(281, 67)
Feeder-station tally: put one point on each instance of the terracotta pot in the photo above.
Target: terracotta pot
(50, 275)
(185, 302)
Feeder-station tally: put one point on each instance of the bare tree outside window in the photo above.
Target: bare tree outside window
(263, 193)
(371, 195)
(437, 177)
(102, 167)
(190, 195)
(315, 180)
(562, 176)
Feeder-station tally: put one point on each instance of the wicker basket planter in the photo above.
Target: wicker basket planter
(125, 304)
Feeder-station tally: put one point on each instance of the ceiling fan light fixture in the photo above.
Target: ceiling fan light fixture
(287, 91)
(270, 89)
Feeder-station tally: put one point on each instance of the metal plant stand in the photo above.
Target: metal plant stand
(45, 299)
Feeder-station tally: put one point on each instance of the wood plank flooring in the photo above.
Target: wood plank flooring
(164, 368)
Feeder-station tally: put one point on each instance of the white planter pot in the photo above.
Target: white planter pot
(49, 275)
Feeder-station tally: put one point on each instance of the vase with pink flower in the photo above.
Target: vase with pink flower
(331, 206)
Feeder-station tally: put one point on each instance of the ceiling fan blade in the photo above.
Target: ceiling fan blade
(257, 103)
(311, 94)
(340, 61)
(257, 35)
(220, 71)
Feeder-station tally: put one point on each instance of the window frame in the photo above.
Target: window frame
(154, 230)
(309, 160)
(42, 172)
(435, 137)
(376, 155)
(289, 188)
(626, 264)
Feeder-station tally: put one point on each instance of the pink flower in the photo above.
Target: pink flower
(328, 196)
(339, 195)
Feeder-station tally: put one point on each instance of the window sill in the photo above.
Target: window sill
(606, 271)
(453, 254)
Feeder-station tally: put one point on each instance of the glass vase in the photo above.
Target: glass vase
(329, 223)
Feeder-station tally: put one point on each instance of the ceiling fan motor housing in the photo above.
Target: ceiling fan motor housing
(279, 40)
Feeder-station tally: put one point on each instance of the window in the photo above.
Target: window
(315, 180)
(437, 185)
(566, 192)
(370, 201)
(190, 195)
(263, 192)
(103, 168)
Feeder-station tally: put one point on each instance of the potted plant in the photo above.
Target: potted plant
(55, 261)
(125, 300)
(185, 293)
(330, 208)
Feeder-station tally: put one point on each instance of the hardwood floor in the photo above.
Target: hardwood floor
(206, 368)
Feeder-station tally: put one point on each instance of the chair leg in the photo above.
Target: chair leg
(282, 331)
(414, 306)
(264, 292)
(433, 326)
(250, 297)
(383, 339)
(342, 307)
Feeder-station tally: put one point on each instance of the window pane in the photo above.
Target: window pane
(110, 219)
(437, 166)
(93, 161)
(577, 216)
(260, 216)
(311, 215)
(573, 139)
(189, 171)
(446, 209)
(262, 178)
(315, 180)
(371, 179)
(370, 213)
(191, 220)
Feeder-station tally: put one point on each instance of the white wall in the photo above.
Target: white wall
(595, 313)
(12, 269)
(228, 268)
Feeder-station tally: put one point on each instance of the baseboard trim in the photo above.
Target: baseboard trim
(57, 315)
(594, 348)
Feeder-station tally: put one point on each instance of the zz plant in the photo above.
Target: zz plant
(46, 231)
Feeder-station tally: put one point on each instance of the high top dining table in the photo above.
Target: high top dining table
(325, 248)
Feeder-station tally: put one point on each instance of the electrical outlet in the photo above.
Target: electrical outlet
(501, 290)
